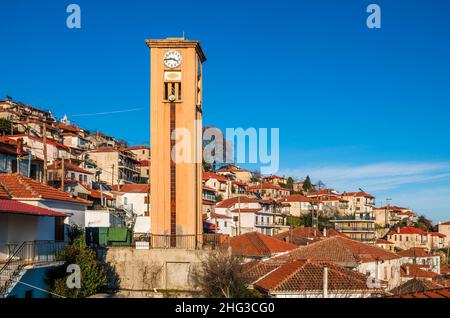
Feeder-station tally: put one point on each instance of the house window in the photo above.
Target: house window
(72, 176)
(146, 200)
(85, 179)
(225, 224)
(59, 229)
(80, 178)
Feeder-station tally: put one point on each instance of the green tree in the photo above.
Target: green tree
(424, 224)
(307, 185)
(5, 126)
(93, 275)
(290, 183)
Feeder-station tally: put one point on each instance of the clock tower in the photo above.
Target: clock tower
(176, 106)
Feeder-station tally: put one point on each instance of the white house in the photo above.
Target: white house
(26, 190)
(29, 238)
(133, 197)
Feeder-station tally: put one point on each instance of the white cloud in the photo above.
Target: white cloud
(377, 176)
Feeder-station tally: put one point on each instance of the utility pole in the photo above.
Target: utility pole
(239, 214)
(112, 176)
(63, 174)
(44, 133)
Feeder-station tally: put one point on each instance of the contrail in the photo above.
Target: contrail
(109, 113)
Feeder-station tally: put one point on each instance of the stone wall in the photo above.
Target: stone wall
(155, 269)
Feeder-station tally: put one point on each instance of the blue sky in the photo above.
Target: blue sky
(356, 107)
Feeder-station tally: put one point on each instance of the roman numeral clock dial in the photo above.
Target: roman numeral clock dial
(172, 59)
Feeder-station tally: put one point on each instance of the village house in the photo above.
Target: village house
(208, 200)
(410, 271)
(360, 204)
(29, 238)
(362, 230)
(300, 236)
(444, 228)
(276, 180)
(141, 152)
(14, 157)
(116, 166)
(29, 191)
(385, 244)
(133, 197)
(331, 205)
(376, 263)
(388, 216)
(269, 191)
(55, 150)
(72, 173)
(409, 237)
(221, 184)
(298, 186)
(237, 173)
(422, 257)
(299, 205)
(311, 279)
(248, 215)
(254, 245)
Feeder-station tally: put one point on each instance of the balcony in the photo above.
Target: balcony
(354, 229)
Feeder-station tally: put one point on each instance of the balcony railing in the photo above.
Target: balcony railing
(189, 242)
(13, 257)
(354, 229)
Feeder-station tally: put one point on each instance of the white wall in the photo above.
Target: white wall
(137, 200)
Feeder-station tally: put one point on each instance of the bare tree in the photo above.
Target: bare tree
(220, 275)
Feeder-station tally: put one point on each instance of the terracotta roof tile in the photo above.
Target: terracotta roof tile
(435, 293)
(228, 203)
(258, 245)
(307, 276)
(132, 188)
(342, 251)
(20, 187)
(12, 206)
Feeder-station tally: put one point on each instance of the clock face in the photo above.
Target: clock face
(172, 59)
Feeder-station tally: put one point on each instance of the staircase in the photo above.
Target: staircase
(27, 253)
(10, 270)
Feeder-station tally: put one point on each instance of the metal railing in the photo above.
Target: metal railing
(16, 256)
(189, 242)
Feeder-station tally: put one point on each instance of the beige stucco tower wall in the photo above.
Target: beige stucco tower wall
(184, 109)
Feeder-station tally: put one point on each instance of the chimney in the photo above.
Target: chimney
(325, 232)
(325, 282)
(19, 148)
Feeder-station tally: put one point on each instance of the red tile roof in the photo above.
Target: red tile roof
(436, 293)
(246, 210)
(297, 198)
(219, 216)
(131, 188)
(408, 230)
(300, 235)
(97, 195)
(307, 276)
(383, 241)
(68, 167)
(258, 245)
(228, 203)
(358, 194)
(144, 163)
(416, 252)
(414, 286)
(211, 175)
(414, 270)
(12, 206)
(255, 270)
(342, 251)
(266, 186)
(19, 187)
(49, 142)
